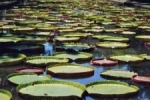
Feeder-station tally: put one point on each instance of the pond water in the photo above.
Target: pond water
(136, 47)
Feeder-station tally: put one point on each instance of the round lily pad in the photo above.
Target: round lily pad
(22, 78)
(23, 29)
(101, 37)
(74, 47)
(7, 27)
(69, 70)
(9, 39)
(52, 90)
(5, 95)
(128, 33)
(30, 69)
(118, 74)
(129, 58)
(44, 60)
(104, 62)
(74, 34)
(75, 56)
(145, 79)
(116, 39)
(67, 39)
(113, 45)
(110, 89)
(143, 37)
(11, 59)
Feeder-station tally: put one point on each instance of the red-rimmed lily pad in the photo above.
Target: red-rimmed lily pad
(144, 79)
(104, 62)
(30, 69)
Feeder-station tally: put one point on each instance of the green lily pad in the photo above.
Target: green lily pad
(116, 39)
(128, 58)
(101, 37)
(5, 95)
(113, 45)
(111, 89)
(118, 74)
(143, 37)
(127, 25)
(7, 27)
(27, 22)
(74, 34)
(69, 70)
(77, 56)
(67, 39)
(128, 33)
(75, 46)
(23, 29)
(52, 90)
(11, 59)
(9, 39)
(22, 78)
(44, 60)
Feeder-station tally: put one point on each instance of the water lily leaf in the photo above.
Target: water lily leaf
(5, 95)
(44, 60)
(69, 70)
(22, 78)
(110, 89)
(11, 59)
(112, 45)
(118, 74)
(77, 56)
(52, 90)
(128, 58)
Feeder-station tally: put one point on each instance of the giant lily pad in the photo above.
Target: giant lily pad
(67, 39)
(52, 90)
(74, 34)
(44, 60)
(113, 45)
(75, 46)
(128, 58)
(116, 39)
(101, 37)
(30, 69)
(141, 79)
(143, 37)
(110, 89)
(22, 78)
(127, 25)
(11, 59)
(7, 27)
(9, 39)
(104, 62)
(118, 74)
(5, 95)
(76, 56)
(69, 70)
